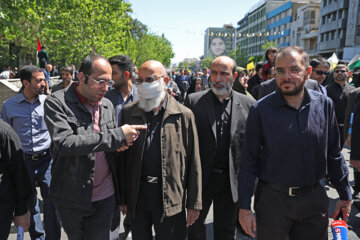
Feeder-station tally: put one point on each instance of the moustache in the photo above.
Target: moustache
(220, 83)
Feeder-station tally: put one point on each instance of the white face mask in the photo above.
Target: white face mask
(150, 90)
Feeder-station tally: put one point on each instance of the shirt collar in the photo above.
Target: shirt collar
(82, 99)
(21, 98)
(279, 100)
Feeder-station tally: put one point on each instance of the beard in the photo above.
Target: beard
(294, 92)
(150, 104)
(221, 91)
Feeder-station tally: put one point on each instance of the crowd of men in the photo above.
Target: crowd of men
(161, 147)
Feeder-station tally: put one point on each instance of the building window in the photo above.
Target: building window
(312, 17)
(324, 3)
(306, 18)
(322, 37)
(332, 35)
(340, 33)
(358, 30)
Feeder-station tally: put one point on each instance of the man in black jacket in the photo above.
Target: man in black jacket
(220, 116)
(85, 138)
(15, 186)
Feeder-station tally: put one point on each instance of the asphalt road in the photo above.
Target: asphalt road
(354, 220)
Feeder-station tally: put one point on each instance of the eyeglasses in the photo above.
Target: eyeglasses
(148, 79)
(295, 71)
(338, 71)
(319, 72)
(102, 82)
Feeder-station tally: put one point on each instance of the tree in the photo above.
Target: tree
(206, 62)
(268, 44)
(72, 29)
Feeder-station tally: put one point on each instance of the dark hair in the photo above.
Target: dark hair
(319, 61)
(258, 66)
(270, 49)
(356, 79)
(341, 66)
(43, 46)
(342, 62)
(27, 71)
(288, 50)
(68, 69)
(87, 64)
(123, 62)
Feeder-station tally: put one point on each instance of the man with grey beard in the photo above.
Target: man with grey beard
(220, 115)
(161, 172)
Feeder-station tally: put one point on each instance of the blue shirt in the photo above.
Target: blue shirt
(27, 119)
(132, 96)
(47, 77)
(290, 147)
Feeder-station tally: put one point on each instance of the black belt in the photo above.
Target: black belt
(150, 179)
(38, 156)
(291, 191)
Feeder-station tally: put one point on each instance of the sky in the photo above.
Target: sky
(184, 22)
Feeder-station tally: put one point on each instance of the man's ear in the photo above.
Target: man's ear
(25, 83)
(81, 77)
(127, 75)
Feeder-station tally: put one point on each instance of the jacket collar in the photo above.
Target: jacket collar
(279, 101)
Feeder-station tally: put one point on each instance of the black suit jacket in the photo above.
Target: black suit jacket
(269, 86)
(202, 105)
(355, 133)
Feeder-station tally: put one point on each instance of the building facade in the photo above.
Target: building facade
(267, 20)
(305, 28)
(249, 40)
(333, 24)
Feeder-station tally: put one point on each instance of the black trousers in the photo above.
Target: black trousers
(218, 192)
(149, 213)
(91, 224)
(279, 215)
(6, 216)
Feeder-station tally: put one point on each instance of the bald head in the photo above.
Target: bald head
(225, 60)
(152, 68)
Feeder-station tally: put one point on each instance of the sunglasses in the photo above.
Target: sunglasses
(338, 71)
(319, 72)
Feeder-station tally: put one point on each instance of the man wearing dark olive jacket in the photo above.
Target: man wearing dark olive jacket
(162, 167)
(15, 186)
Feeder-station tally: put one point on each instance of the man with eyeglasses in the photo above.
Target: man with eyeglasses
(85, 141)
(270, 86)
(162, 172)
(320, 69)
(339, 92)
(291, 142)
(25, 113)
